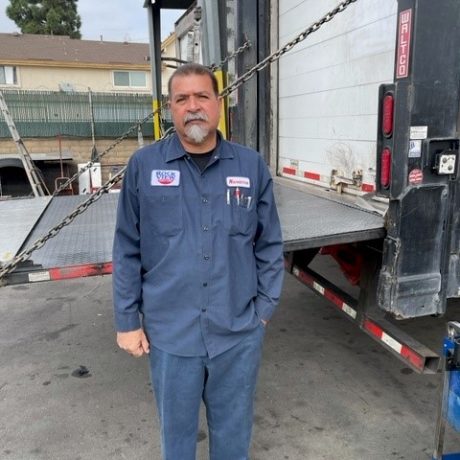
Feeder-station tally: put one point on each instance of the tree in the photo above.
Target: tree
(46, 17)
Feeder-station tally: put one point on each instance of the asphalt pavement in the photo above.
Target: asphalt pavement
(326, 390)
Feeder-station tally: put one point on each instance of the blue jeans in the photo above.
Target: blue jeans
(225, 383)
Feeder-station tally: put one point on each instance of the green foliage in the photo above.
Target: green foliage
(46, 17)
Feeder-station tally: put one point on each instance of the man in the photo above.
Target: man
(198, 256)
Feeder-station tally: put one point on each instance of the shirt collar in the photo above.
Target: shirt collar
(177, 151)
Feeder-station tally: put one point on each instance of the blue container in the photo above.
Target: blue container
(453, 408)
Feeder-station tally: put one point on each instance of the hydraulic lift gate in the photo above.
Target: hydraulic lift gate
(88, 240)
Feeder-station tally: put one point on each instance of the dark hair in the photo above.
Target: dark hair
(193, 69)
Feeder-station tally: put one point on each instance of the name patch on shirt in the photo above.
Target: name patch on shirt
(234, 181)
(165, 178)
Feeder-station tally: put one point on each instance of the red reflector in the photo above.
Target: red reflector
(387, 115)
(385, 168)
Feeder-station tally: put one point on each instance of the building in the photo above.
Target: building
(71, 97)
(169, 63)
(59, 63)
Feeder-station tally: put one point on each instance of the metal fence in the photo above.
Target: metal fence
(48, 113)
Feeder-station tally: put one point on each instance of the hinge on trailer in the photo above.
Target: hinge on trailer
(339, 180)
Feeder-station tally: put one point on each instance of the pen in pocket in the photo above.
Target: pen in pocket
(237, 195)
(228, 196)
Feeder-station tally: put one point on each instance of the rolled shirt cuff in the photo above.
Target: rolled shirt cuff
(264, 309)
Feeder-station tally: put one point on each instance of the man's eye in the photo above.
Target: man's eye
(203, 96)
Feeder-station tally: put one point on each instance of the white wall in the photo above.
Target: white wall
(328, 85)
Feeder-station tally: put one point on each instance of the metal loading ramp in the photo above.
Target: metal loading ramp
(311, 220)
(307, 221)
(84, 248)
(87, 240)
(17, 219)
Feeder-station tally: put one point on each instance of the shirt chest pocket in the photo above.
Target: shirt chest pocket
(240, 219)
(164, 210)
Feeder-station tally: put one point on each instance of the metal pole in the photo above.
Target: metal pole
(155, 61)
(60, 155)
(93, 131)
(211, 46)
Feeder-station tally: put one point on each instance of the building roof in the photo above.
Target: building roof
(54, 49)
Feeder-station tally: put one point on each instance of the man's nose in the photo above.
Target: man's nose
(193, 104)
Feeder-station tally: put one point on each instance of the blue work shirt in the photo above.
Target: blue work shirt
(197, 255)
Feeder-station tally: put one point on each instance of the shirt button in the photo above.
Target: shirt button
(205, 284)
(206, 257)
(204, 200)
(205, 228)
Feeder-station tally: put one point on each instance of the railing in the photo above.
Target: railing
(48, 113)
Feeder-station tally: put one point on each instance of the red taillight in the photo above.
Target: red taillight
(387, 115)
(385, 167)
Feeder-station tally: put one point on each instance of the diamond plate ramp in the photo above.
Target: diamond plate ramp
(17, 219)
(311, 221)
(307, 221)
(87, 240)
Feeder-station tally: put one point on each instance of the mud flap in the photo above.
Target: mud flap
(414, 252)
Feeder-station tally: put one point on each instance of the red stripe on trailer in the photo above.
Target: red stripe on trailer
(413, 357)
(407, 353)
(372, 328)
(80, 271)
(311, 175)
(327, 293)
(334, 298)
(367, 188)
(291, 171)
(307, 279)
(338, 302)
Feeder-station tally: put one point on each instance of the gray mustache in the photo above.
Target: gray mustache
(195, 116)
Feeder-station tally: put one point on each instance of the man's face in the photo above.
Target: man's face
(195, 108)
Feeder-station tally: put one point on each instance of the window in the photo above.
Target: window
(130, 79)
(8, 75)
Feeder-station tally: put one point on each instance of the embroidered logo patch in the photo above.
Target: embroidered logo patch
(165, 178)
(233, 181)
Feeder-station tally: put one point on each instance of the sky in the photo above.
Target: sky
(115, 20)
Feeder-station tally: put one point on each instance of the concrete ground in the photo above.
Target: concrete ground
(326, 390)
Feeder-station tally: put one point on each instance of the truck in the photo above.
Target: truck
(357, 109)
(354, 106)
